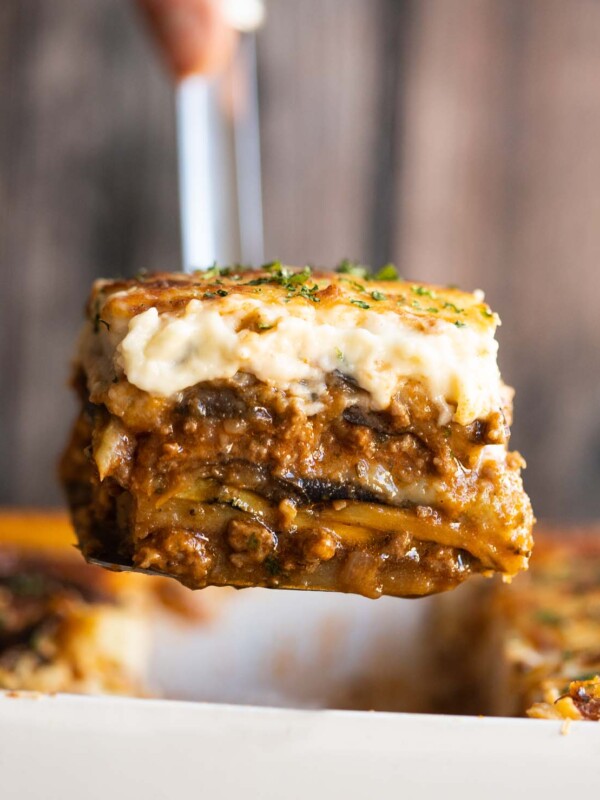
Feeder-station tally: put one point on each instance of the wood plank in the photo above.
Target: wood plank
(319, 82)
(90, 188)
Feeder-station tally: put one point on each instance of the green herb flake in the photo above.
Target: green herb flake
(222, 292)
(299, 278)
(487, 314)
(264, 326)
(294, 282)
(273, 266)
(208, 295)
(339, 354)
(360, 304)
(212, 272)
(257, 282)
(354, 284)
(347, 267)
(310, 293)
(272, 565)
(454, 308)
(422, 291)
(432, 310)
(377, 295)
(387, 273)
(460, 324)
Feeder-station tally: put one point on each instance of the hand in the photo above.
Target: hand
(192, 34)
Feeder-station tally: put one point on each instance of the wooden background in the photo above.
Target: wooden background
(459, 138)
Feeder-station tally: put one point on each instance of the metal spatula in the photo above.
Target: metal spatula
(219, 155)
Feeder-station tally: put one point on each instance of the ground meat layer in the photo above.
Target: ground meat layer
(230, 482)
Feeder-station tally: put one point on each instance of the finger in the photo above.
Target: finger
(192, 34)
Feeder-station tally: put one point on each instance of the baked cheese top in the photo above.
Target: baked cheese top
(291, 328)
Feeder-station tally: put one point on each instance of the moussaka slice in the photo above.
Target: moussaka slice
(295, 429)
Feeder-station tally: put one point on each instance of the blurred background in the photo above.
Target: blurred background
(458, 138)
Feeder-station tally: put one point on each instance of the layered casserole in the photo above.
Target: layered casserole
(297, 429)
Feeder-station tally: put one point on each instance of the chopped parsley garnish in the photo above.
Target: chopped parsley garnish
(487, 314)
(422, 291)
(300, 278)
(460, 324)
(208, 295)
(339, 354)
(387, 273)
(432, 310)
(454, 308)
(215, 271)
(309, 293)
(347, 267)
(377, 295)
(294, 282)
(360, 303)
(264, 326)
(273, 266)
(354, 284)
(222, 292)
(272, 565)
(258, 281)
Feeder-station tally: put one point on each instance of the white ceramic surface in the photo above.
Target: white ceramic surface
(303, 651)
(298, 650)
(76, 747)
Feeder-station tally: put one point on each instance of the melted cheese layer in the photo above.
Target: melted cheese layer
(295, 345)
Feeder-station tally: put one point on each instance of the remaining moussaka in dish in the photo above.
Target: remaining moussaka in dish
(65, 626)
(529, 649)
(549, 632)
(297, 429)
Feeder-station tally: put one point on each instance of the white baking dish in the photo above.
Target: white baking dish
(78, 747)
(300, 652)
